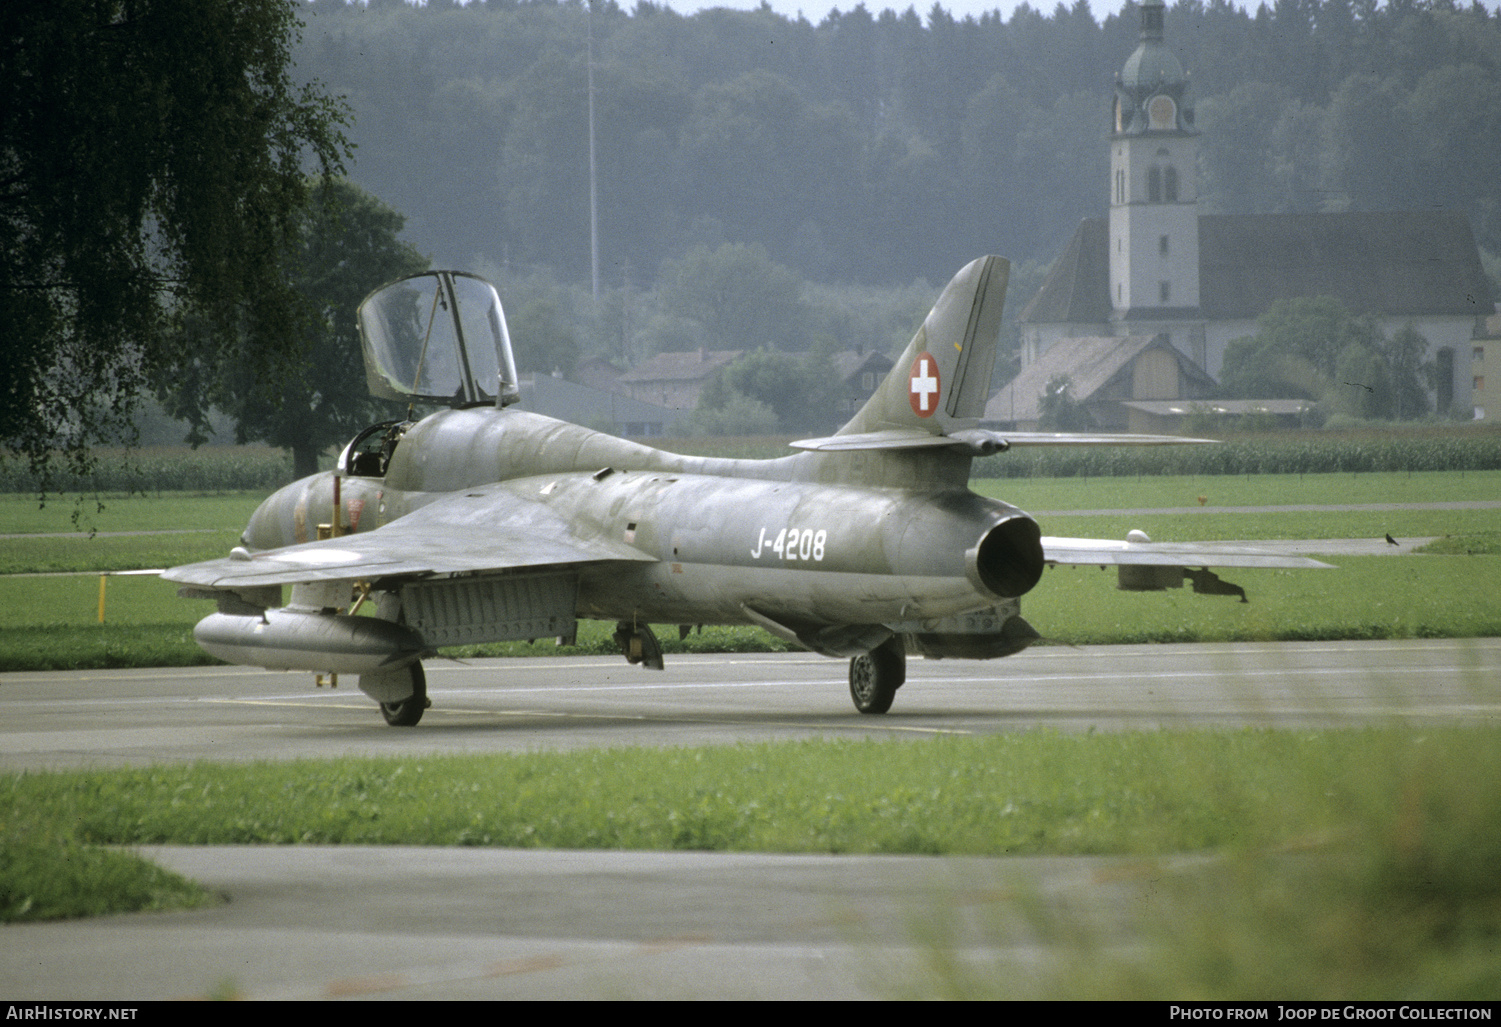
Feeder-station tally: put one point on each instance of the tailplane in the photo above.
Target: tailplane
(934, 397)
(936, 393)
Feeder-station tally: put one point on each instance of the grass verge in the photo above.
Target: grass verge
(49, 876)
(1394, 898)
(1480, 543)
(1025, 793)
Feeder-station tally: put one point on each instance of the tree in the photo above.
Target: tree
(800, 392)
(1314, 348)
(1058, 410)
(1295, 349)
(544, 341)
(764, 161)
(1364, 388)
(739, 415)
(346, 246)
(743, 298)
(1404, 353)
(151, 167)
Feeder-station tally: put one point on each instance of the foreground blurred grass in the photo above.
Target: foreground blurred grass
(1397, 896)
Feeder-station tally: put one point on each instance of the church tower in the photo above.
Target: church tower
(1154, 192)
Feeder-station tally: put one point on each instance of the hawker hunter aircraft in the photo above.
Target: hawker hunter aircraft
(484, 522)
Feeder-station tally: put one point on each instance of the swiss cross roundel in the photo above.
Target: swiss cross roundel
(923, 385)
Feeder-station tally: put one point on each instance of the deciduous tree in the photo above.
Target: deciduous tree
(152, 166)
(346, 246)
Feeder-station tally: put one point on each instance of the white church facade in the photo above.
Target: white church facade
(1155, 266)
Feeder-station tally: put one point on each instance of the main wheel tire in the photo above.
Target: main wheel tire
(409, 711)
(875, 677)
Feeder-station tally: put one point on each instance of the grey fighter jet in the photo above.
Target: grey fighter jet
(484, 522)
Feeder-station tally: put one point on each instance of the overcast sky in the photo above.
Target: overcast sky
(814, 10)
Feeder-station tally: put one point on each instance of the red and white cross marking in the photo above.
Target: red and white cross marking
(923, 385)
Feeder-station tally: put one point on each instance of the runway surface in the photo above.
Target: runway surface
(313, 922)
(139, 717)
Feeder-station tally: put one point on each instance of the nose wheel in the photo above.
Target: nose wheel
(875, 676)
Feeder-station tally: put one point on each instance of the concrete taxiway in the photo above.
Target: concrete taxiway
(311, 922)
(408, 923)
(139, 717)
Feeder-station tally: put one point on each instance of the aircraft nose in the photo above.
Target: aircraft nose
(1008, 562)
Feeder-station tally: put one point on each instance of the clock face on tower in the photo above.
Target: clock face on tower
(1162, 113)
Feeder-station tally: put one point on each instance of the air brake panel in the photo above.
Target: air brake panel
(465, 611)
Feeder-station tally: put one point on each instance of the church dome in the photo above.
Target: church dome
(1152, 87)
(1151, 67)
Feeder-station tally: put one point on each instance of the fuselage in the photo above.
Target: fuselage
(803, 541)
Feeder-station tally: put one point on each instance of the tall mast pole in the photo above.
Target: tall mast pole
(593, 187)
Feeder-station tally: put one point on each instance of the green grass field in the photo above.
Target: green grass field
(1241, 490)
(177, 511)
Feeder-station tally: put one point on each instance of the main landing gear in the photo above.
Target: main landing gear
(875, 676)
(408, 711)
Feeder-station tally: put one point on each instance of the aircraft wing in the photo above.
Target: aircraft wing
(1099, 552)
(489, 528)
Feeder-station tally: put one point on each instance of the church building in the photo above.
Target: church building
(1157, 267)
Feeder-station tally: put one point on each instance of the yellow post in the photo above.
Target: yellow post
(102, 579)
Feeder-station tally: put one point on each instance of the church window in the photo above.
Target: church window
(1170, 187)
(1164, 290)
(1162, 245)
(1154, 185)
(1162, 113)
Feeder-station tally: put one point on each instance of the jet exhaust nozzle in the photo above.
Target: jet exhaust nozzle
(1008, 562)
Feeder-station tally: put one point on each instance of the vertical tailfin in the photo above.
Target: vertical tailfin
(942, 379)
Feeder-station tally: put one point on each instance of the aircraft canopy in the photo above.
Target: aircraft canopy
(438, 336)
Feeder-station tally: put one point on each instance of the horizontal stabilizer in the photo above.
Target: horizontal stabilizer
(1047, 438)
(983, 442)
(1097, 552)
(896, 438)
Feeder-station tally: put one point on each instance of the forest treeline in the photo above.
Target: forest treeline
(882, 147)
(768, 182)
